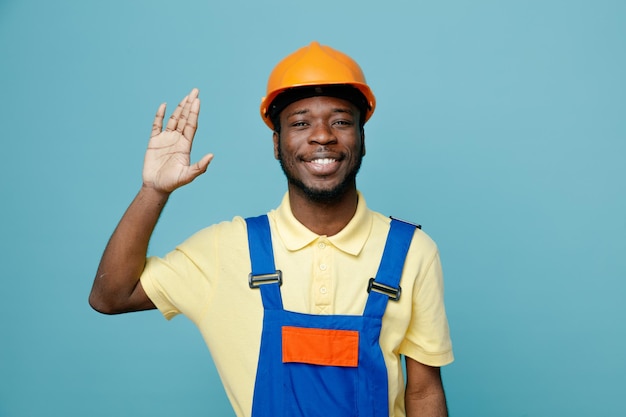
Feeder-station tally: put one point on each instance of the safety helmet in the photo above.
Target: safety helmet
(315, 65)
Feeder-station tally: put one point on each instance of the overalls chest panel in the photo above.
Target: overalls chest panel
(318, 365)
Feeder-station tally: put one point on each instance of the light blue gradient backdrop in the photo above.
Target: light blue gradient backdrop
(500, 127)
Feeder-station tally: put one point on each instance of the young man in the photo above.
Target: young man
(308, 309)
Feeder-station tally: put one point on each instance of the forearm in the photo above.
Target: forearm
(429, 405)
(424, 395)
(123, 260)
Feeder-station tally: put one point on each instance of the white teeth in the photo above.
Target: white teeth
(323, 161)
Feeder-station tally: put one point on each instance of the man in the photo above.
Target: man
(302, 309)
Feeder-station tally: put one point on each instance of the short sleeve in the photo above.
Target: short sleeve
(179, 283)
(428, 336)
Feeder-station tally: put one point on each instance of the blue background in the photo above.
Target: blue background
(500, 127)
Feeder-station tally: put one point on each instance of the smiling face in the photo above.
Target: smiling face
(320, 147)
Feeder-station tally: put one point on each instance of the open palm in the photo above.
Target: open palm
(167, 160)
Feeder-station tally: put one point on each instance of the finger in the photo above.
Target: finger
(201, 166)
(157, 125)
(198, 168)
(191, 126)
(173, 121)
(182, 121)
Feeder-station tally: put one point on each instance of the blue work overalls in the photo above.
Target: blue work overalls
(322, 365)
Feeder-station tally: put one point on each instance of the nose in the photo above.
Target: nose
(322, 134)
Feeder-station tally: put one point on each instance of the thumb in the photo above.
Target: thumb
(201, 166)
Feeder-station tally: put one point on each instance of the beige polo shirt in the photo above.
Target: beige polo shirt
(206, 279)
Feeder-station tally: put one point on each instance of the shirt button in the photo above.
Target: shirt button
(321, 245)
(323, 267)
(323, 290)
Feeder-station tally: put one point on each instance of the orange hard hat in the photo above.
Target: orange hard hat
(315, 65)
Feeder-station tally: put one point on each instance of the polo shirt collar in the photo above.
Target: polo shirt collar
(351, 239)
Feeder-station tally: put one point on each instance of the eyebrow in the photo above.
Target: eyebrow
(334, 110)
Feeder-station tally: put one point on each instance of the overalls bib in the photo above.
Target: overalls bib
(322, 365)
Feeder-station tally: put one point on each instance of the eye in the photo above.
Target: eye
(343, 122)
(299, 124)
(297, 121)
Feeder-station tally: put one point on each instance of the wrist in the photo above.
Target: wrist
(153, 195)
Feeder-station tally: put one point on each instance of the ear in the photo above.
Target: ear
(362, 142)
(276, 138)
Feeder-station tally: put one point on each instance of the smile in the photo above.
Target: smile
(323, 161)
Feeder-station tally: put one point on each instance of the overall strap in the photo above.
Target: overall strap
(264, 275)
(386, 285)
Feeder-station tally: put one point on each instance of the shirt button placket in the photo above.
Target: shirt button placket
(322, 284)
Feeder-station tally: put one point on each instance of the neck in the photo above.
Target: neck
(323, 217)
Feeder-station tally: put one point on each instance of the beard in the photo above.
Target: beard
(321, 195)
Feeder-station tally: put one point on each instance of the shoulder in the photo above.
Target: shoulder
(421, 242)
(226, 233)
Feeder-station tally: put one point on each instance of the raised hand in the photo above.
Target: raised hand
(167, 161)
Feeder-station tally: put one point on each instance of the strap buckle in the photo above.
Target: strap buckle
(391, 292)
(255, 281)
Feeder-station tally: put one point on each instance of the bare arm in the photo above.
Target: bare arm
(116, 287)
(424, 395)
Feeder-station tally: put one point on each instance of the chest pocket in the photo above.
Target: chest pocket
(324, 347)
